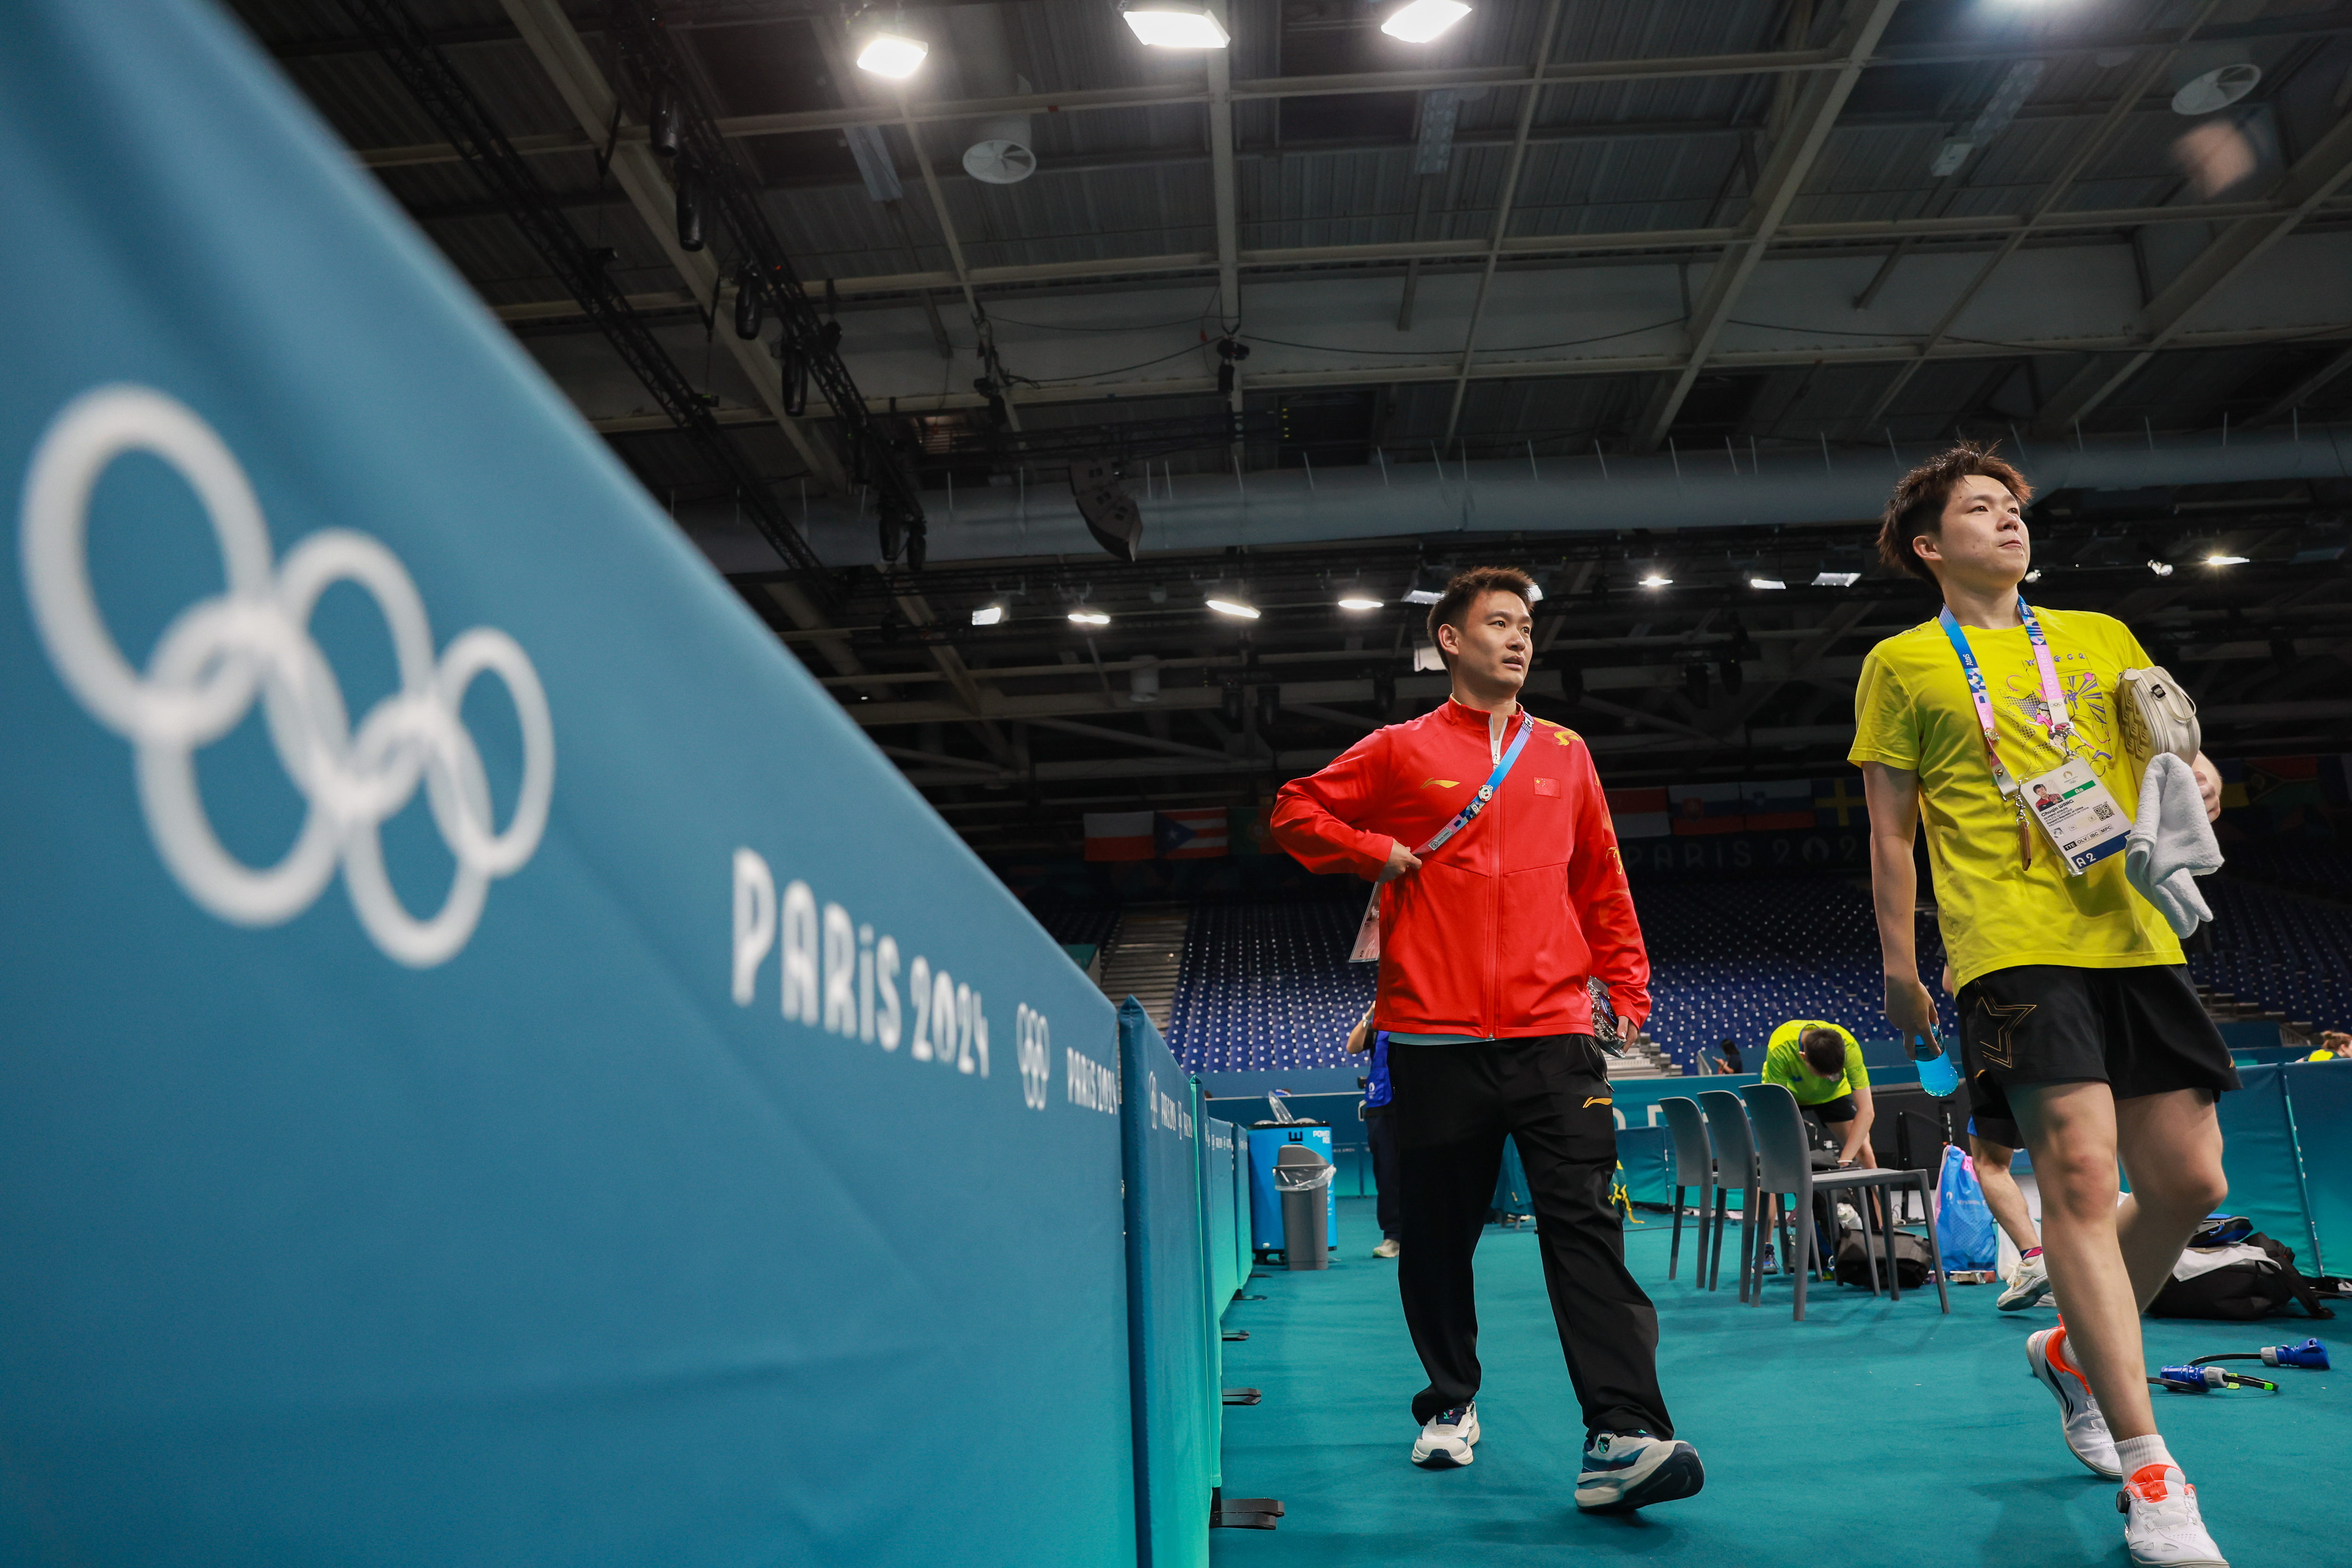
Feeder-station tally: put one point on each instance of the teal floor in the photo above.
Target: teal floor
(1873, 1433)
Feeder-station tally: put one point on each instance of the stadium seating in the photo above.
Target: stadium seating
(1268, 986)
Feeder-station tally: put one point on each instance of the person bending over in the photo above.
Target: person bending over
(1820, 1064)
(2078, 1022)
(1379, 1130)
(1490, 931)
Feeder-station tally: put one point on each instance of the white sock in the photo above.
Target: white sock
(2134, 1455)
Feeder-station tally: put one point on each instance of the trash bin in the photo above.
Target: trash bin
(1304, 1179)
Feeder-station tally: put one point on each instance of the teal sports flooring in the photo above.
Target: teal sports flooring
(1873, 1432)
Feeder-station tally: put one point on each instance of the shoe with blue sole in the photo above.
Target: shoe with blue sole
(1626, 1470)
(1448, 1438)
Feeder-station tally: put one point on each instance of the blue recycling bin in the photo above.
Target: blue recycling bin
(1265, 1202)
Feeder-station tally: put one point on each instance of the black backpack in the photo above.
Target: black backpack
(2241, 1291)
(1914, 1265)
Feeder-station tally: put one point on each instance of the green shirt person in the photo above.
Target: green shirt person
(1820, 1064)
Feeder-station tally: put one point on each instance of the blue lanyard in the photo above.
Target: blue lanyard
(1486, 792)
(2054, 716)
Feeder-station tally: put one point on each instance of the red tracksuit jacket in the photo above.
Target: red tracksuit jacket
(1496, 933)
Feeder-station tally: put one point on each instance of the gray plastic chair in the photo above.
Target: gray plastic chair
(1735, 1166)
(1784, 1165)
(1693, 1167)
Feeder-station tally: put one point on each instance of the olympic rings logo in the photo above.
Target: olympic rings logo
(251, 643)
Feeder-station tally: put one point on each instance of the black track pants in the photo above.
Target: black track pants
(1453, 1107)
(1381, 1129)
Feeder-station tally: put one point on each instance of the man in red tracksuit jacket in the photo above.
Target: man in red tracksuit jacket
(1486, 949)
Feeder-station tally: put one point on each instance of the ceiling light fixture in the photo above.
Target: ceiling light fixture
(1655, 581)
(1766, 582)
(988, 615)
(2034, 575)
(1836, 579)
(1422, 596)
(1419, 21)
(1175, 25)
(1089, 617)
(2161, 568)
(1359, 602)
(892, 54)
(2225, 560)
(1239, 609)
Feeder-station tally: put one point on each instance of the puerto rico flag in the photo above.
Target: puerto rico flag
(1639, 813)
(1699, 809)
(1190, 834)
(1778, 807)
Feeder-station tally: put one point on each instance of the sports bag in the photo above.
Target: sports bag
(2157, 716)
(2255, 1278)
(1914, 1263)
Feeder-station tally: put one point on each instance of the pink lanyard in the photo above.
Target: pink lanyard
(2054, 716)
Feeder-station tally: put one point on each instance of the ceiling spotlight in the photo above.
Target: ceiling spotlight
(1175, 25)
(1358, 601)
(1836, 579)
(1766, 582)
(894, 55)
(2034, 575)
(2225, 560)
(1535, 593)
(1655, 581)
(1238, 608)
(1090, 618)
(1418, 21)
(988, 615)
(1422, 596)
(2161, 568)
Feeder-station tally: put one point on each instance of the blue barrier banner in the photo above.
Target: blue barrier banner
(1648, 1155)
(444, 926)
(1221, 1151)
(2258, 1155)
(1212, 1305)
(1168, 1299)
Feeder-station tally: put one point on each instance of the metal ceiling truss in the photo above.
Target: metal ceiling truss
(394, 31)
(707, 165)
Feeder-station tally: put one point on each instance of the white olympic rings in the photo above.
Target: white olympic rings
(253, 642)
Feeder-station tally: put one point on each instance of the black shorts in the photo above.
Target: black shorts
(1839, 1110)
(2141, 1031)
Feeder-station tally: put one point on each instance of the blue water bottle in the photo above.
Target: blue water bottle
(1937, 1076)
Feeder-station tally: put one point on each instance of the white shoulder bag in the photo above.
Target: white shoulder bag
(2158, 717)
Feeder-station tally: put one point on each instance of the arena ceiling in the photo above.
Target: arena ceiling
(1714, 242)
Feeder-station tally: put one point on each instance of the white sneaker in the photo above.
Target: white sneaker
(2162, 1527)
(2028, 1283)
(2086, 1429)
(1387, 1248)
(1444, 1443)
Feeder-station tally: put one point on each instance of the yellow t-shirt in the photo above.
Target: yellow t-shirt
(1912, 710)
(1785, 1063)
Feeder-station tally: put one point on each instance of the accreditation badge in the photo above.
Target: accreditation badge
(2077, 815)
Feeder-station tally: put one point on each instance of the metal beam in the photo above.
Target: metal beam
(1777, 185)
(2293, 396)
(2151, 68)
(2317, 175)
(1218, 71)
(1518, 370)
(1529, 99)
(557, 47)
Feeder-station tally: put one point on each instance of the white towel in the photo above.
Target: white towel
(2171, 845)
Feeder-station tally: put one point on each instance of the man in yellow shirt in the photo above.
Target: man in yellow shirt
(1820, 1064)
(2078, 1023)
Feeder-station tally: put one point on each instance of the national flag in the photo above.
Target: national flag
(1701, 809)
(1639, 813)
(1118, 836)
(1779, 806)
(1190, 834)
(1249, 830)
(1837, 803)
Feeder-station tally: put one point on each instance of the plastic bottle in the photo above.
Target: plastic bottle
(1937, 1076)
